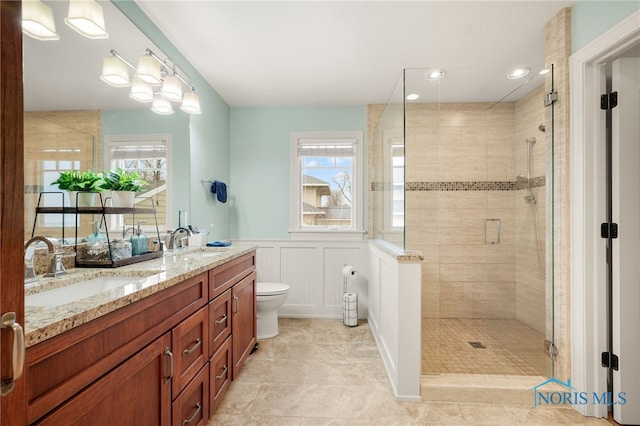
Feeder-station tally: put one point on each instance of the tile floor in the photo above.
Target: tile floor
(319, 372)
(510, 348)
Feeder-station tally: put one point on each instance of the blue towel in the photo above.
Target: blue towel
(219, 244)
(220, 189)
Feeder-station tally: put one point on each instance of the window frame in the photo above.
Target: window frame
(116, 221)
(297, 231)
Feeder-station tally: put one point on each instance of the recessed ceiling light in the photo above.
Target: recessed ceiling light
(435, 74)
(518, 73)
(412, 96)
(544, 71)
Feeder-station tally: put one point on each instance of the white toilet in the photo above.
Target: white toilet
(269, 296)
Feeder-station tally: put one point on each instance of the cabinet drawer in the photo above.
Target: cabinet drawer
(219, 320)
(190, 344)
(224, 276)
(220, 374)
(191, 408)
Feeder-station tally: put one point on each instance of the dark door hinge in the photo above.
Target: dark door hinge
(610, 360)
(609, 100)
(609, 230)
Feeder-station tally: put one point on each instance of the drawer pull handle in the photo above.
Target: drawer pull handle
(193, 348)
(194, 415)
(222, 319)
(8, 320)
(167, 353)
(224, 373)
(235, 298)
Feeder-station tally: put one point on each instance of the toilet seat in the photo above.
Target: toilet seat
(271, 289)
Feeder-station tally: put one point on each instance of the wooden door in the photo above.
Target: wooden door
(243, 321)
(13, 405)
(625, 297)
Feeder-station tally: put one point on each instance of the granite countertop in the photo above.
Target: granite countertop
(56, 305)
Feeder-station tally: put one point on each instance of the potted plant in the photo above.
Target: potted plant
(82, 186)
(124, 184)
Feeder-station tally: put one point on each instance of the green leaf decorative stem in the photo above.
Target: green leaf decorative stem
(124, 180)
(74, 180)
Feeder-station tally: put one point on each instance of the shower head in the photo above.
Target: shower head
(542, 127)
(530, 140)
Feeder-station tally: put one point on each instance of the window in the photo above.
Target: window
(397, 197)
(327, 181)
(147, 155)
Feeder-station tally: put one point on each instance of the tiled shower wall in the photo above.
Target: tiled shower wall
(59, 136)
(461, 165)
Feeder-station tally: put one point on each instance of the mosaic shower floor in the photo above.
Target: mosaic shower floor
(482, 346)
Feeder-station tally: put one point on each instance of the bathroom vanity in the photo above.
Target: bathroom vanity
(158, 343)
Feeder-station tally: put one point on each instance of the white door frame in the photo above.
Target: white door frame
(587, 202)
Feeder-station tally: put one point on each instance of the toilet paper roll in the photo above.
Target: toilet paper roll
(350, 309)
(349, 271)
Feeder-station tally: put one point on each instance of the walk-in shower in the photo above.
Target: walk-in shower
(486, 306)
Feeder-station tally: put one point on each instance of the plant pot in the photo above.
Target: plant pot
(84, 199)
(123, 198)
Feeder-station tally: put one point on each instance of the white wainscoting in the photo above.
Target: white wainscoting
(313, 271)
(395, 298)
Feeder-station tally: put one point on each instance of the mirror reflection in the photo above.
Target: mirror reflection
(75, 121)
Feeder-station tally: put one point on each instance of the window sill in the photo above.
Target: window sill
(327, 235)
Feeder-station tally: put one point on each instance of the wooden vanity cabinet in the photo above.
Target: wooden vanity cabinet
(136, 392)
(165, 359)
(190, 348)
(191, 408)
(60, 367)
(243, 321)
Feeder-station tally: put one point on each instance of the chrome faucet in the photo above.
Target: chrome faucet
(173, 241)
(29, 268)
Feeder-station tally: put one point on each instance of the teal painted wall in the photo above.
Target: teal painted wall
(260, 162)
(590, 19)
(132, 122)
(208, 148)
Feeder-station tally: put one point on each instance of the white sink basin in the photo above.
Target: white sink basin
(121, 285)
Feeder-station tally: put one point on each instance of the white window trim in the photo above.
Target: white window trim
(357, 231)
(142, 138)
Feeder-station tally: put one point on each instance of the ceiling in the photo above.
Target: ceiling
(269, 53)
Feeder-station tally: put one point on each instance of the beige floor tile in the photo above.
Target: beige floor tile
(319, 372)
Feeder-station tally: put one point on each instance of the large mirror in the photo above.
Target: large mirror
(73, 120)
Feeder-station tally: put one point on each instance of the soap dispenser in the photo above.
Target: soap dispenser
(138, 241)
(97, 236)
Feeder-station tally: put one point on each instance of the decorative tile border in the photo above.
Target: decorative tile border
(33, 189)
(536, 182)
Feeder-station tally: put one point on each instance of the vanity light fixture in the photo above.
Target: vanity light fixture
(152, 71)
(149, 70)
(172, 88)
(141, 91)
(114, 71)
(191, 103)
(37, 20)
(412, 96)
(161, 106)
(435, 74)
(86, 17)
(518, 73)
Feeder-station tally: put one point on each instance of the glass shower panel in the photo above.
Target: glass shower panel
(518, 291)
(386, 173)
(56, 141)
(424, 183)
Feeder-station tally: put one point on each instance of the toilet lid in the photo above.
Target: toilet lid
(267, 289)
